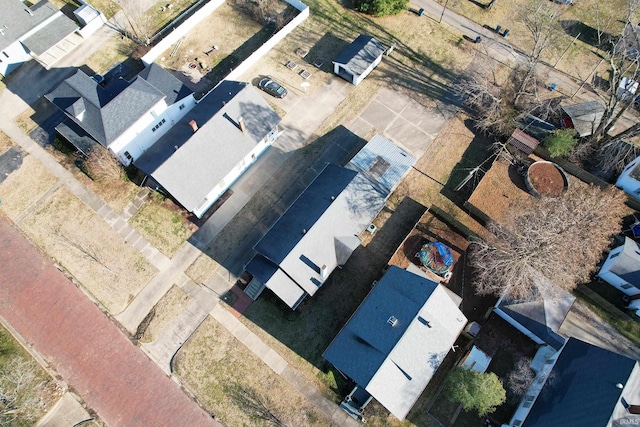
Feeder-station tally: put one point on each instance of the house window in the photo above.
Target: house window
(528, 401)
(155, 128)
(181, 106)
(128, 156)
(626, 286)
(614, 255)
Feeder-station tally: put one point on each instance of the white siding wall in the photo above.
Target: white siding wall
(141, 136)
(231, 177)
(613, 279)
(12, 57)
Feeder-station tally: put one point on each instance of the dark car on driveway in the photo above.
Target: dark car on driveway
(272, 88)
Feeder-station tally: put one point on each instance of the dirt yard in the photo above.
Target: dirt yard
(91, 251)
(237, 387)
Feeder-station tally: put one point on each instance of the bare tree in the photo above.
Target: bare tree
(21, 391)
(548, 245)
(133, 22)
(519, 379)
(102, 166)
(541, 21)
(254, 404)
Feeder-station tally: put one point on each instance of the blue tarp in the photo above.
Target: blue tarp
(436, 257)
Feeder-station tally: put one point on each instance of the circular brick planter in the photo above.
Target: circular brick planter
(546, 179)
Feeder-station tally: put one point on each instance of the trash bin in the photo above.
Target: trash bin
(553, 86)
(478, 39)
(421, 12)
(498, 28)
(505, 33)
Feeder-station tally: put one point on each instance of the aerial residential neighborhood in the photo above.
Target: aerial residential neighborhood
(319, 213)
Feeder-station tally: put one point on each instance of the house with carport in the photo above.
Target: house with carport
(33, 31)
(204, 153)
(126, 117)
(320, 230)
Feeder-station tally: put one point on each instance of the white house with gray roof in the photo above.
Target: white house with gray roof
(125, 117)
(358, 59)
(321, 229)
(199, 158)
(28, 32)
(629, 179)
(398, 337)
(621, 269)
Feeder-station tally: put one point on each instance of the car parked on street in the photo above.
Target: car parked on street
(272, 88)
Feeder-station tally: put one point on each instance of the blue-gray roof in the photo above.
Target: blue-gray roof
(627, 264)
(382, 161)
(542, 318)
(367, 339)
(581, 390)
(261, 268)
(285, 234)
(360, 54)
(16, 19)
(50, 35)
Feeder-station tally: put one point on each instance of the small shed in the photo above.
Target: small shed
(359, 58)
(522, 141)
(584, 117)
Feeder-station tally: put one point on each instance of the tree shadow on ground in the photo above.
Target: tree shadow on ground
(478, 153)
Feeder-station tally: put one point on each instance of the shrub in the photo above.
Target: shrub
(560, 142)
(381, 7)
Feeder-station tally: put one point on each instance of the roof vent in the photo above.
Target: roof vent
(393, 321)
(241, 124)
(304, 231)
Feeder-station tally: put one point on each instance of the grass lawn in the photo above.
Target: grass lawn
(166, 310)
(236, 386)
(5, 142)
(38, 386)
(161, 225)
(98, 257)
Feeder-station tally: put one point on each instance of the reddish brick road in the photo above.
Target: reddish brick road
(91, 354)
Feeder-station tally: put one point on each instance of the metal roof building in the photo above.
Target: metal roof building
(359, 58)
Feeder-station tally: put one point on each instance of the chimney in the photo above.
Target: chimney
(323, 271)
(241, 124)
(193, 125)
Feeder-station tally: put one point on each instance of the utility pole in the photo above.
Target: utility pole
(443, 10)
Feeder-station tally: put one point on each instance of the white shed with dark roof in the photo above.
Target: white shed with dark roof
(621, 269)
(359, 58)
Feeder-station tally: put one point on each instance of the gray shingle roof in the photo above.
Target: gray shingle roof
(360, 54)
(202, 159)
(16, 21)
(104, 113)
(394, 363)
(172, 88)
(581, 390)
(585, 116)
(50, 35)
(542, 318)
(627, 264)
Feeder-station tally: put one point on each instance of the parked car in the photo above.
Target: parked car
(272, 88)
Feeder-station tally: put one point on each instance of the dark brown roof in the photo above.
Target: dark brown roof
(522, 141)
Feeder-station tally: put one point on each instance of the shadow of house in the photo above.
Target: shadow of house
(33, 32)
(323, 50)
(358, 59)
(320, 230)
(125, 117)
(395, 341)
(586, 33)
(199, 158)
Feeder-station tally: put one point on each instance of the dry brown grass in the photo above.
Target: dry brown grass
(5, 142)
(25, 122)
(202, 269)
(162, 227)
(238, 28)
(114, 51)
(24, 187)
(215, 366)
(98, 257)
(167, 309)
